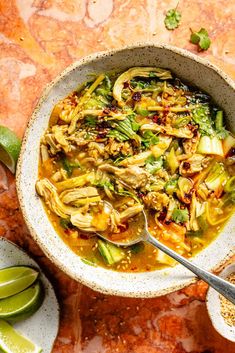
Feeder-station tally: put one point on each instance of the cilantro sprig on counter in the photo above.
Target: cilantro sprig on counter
(172, 19)
(201, 38)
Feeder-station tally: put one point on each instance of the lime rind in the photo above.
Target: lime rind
(10, 146)
(22, 305)
(11, 341)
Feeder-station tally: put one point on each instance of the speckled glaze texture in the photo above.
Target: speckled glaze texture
(43, 326)
(186, 66)
(214, 308)
(38, 39)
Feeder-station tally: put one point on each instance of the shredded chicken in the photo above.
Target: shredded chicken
(49, 193)
(193, 164)
(133, 176)
(80, 196)
(115, 148)
(130, 212)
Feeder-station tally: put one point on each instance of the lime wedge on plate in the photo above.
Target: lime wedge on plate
(15, 279)
(22, 305)
(9, 148)
(12, 341)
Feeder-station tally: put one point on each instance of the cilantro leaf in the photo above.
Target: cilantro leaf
(172, 19)
(102, 184)
(153, 164)
(180, 216)
(65, 223)
(149, 139)
(91, 121)
(201, 38)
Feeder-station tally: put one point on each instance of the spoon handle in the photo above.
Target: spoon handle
(220, 285)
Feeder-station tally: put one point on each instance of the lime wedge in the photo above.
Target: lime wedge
(15, 279)
(9, 148)
(12, 341)
(22, 305)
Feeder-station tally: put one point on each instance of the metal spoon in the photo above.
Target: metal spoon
(139, 227)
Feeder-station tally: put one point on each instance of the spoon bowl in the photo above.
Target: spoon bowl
(139, 232)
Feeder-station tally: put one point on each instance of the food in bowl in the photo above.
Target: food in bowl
(137, 139)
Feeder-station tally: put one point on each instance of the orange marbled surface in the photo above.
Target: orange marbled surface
(38, 38)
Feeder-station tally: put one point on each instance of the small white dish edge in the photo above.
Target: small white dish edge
(42, 327)
(213, 307)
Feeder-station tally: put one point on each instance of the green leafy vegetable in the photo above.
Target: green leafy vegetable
(105, 88)
(102, 184)
(125, 129)
(109, 252)
(124, 192)
(180, 215)
(91, 121)
(65, 223)
(202, 223)
(230, 185)
(171, 186)
(88, 262)
(221, 132)
(141, 109)
(69, 166)
(149, 139)
(118, 135)
(172, 19)
(194, 233)
(136, 248)
(121, 158)
(201, 116)
(180, 121)
(153, 164)
(217, 177)
(201, 38)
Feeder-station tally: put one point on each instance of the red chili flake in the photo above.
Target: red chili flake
(60, 122)
(156, 119)
(162, 214)
(106, 111)
(113, 108)
(101, 135)
(167, 222)
(231, 152)
(186, 165)
(188, 196)
(84, 236)
(136, 96)
(126, 84)
(123, 227)
(140, 195)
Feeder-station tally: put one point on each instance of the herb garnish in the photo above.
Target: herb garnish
(172, 19)
(201, 38)
(180, 216)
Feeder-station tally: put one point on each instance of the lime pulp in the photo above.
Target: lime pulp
(11, 341)
(15, 279)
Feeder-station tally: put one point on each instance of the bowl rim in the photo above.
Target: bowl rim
(87, 59)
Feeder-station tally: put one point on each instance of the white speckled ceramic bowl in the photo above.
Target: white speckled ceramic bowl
(186, 66)
(214, 308)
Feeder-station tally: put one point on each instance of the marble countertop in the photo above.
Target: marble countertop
(38, 39)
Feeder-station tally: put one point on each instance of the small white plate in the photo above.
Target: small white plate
(213, 307)
(42, 327)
